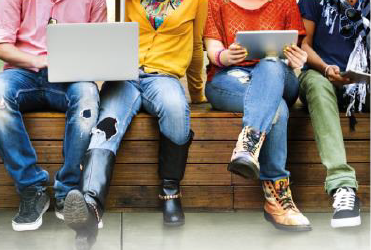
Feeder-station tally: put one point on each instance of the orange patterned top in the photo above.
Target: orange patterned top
(225, 18)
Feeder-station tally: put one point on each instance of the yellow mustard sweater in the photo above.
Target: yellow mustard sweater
(175, 48)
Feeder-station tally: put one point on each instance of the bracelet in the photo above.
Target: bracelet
(218, 59)
(326, 69)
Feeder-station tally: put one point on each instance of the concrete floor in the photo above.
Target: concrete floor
(204, 231)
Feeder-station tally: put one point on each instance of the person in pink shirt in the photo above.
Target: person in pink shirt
(24, 87)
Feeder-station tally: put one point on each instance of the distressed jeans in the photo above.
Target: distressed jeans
(319, 94)
(263, 94)
(23, 90)
(161, 96)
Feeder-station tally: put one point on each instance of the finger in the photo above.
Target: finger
(238, 52)
(295, 62)
(336, 69)
(300, 56)
(237, 57)
(235, 46)
(297, 49)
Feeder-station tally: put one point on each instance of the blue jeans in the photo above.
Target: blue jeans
(161, 96)
(263, 93)
(23, 90)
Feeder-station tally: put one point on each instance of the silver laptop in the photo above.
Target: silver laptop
(92, 52)
(261, 44)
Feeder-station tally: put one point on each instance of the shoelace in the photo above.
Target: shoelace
(344, 199)
(285, 200)
(249, 142)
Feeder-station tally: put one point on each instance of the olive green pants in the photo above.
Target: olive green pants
(319, 94)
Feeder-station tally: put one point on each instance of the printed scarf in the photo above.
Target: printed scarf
(359, 59)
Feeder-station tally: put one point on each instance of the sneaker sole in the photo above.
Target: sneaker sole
(346, 222)
(75, 210)
(246, 169)
(31, 226)
(60, 216)
(300, 228)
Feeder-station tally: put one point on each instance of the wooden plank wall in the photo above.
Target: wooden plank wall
(207, 186)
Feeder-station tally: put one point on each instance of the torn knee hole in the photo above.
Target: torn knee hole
(86, 113)
(107, 126)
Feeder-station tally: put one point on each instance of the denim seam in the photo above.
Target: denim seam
(223, 91)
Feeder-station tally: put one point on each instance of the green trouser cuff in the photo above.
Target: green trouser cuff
(334, 183)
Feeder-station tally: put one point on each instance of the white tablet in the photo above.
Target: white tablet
(263, 43)
(357, 77)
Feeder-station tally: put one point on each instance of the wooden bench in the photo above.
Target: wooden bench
(207, 186)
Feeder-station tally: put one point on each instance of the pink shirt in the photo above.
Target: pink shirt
(23, 22)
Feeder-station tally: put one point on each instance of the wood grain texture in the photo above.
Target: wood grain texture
(204, 152)
(146, 174)
(207, 129)
(205, 111)
(206, 175)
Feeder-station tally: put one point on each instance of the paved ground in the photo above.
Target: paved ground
(204, 231)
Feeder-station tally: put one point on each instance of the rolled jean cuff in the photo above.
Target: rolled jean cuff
(332, 185)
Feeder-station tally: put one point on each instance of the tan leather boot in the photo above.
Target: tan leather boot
(280, 209)
(245, 156)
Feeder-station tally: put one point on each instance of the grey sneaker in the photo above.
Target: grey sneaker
(34, 203)
(245, 156)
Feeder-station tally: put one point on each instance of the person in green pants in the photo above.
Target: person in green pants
(332, 36)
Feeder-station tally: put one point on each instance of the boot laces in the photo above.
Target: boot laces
(285, 197)
(250, 141)
(344, 199)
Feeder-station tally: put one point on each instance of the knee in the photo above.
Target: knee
(318, 86)
(282, 114)
(174, 121)
(272, 67)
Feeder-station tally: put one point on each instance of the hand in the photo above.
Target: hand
(333, 75)
(40, 62)
(233, 55)
(296, 56)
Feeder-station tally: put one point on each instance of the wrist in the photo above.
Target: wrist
(326, 70)
(218, 58)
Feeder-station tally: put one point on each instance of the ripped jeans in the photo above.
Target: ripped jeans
(263, 93)
(160, 95)
(23, 90)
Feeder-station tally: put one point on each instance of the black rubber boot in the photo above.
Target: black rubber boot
(84, 209)
(172, 163)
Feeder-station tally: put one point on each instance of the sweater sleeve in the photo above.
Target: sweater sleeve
(194, 71)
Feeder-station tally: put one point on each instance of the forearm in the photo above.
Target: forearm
(314, 60)
(12, 55)
(194, 74)
(213, 47)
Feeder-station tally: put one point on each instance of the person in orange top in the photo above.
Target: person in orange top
(170, 46)
(261, 89)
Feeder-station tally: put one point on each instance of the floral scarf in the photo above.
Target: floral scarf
(158, 10)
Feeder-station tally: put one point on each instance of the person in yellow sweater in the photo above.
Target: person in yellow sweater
(170, 47)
